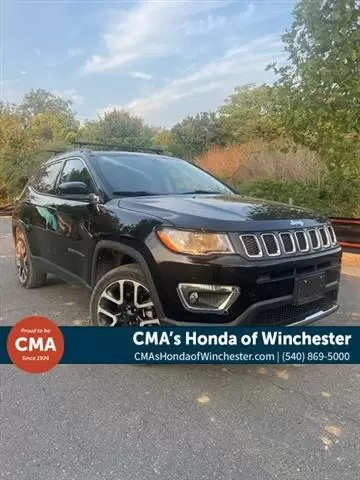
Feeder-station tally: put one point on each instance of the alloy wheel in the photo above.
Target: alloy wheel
(126, 303)
(22, 261)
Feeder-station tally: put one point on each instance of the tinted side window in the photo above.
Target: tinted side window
(75, 171)
(45, 180)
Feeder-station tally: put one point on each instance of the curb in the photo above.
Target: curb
(351, 260)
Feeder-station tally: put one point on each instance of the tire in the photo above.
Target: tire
(123, 278)
(28, 274)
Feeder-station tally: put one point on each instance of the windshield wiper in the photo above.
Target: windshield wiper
(207, 192)
(139, 193)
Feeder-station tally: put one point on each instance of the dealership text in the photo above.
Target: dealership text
(265, 338)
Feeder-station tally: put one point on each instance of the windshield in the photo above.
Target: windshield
(129, 174)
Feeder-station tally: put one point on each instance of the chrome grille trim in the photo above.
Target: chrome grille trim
(332, 235)
(328, 243)
(292, 241)
(278, 251)
(310, 239)
(317, 235)
(307, 246)
(260, 254)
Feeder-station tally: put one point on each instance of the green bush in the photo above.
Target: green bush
(332, 199)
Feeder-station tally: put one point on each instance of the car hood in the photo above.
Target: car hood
(222, 212)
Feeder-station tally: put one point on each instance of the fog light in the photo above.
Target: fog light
(193, 298)
(207, 298)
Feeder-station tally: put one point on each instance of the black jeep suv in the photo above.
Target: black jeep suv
(157, 240)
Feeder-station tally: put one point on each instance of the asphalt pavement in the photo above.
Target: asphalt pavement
(118, 422)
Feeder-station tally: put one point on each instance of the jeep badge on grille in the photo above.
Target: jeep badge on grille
(296, 223)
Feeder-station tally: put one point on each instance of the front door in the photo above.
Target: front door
(73, 242)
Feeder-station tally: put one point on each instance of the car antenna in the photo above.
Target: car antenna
(54, 152)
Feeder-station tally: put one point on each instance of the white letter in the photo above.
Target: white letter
(17, 344)
(50, 344)
(136, 341)
(36, 344)
(164, 339)
(190, 338)
(151, 337)
(233, 340)
(269, 338)
(246, 339)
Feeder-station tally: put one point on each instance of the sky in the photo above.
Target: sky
(159, 59)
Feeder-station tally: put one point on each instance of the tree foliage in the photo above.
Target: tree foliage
(118, 127)
(250, 112)
(195, 135)
(16, 146)
(41, 101)
(319, 86)
(314, 102)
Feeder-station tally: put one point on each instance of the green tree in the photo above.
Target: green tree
(163, 138)
(41, 101)
(52, 126)
(16, 150)
(195, 135)
(119, 127)
(320, 87)
(250, 112)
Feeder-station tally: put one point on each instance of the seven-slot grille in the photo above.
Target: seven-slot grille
(271, 244)
(292, 242)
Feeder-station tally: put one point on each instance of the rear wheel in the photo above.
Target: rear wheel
(122, 298)
(29, 275)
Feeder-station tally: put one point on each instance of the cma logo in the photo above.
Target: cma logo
(296, 223)
(23, 344)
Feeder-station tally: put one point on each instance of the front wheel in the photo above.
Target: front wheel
(122, 298)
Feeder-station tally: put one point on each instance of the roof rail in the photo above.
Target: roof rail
(128, 148)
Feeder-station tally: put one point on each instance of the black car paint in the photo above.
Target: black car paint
(129, 224)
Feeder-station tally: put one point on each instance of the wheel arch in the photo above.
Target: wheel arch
(19, 226)
(138, 258)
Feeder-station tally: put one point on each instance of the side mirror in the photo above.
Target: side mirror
(73, 188)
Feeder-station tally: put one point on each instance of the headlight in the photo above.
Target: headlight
(195, 243)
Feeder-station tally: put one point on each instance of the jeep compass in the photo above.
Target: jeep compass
(157, 240)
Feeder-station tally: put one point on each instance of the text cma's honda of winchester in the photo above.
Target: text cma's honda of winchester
(157, 240)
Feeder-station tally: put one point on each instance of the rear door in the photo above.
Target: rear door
(38, 214)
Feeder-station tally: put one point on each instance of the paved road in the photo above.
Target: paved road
(179, 422)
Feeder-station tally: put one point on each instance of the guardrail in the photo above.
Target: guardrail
(348, 232)
(6, 210)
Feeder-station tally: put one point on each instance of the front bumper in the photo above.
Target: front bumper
(245, 318)
(267, 288)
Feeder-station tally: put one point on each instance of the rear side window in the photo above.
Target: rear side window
(45, 180)
(75, 171)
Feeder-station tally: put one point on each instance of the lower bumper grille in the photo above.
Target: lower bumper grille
(288, 314)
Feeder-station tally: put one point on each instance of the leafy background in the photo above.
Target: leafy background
(297, 139)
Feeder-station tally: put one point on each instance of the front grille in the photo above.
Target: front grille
(301, 241)
(258, 245)
(287, 314)
(288, 243)
(271, 244)
(251, 245)
(332, 235)
(314, 239)
(324, 238)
